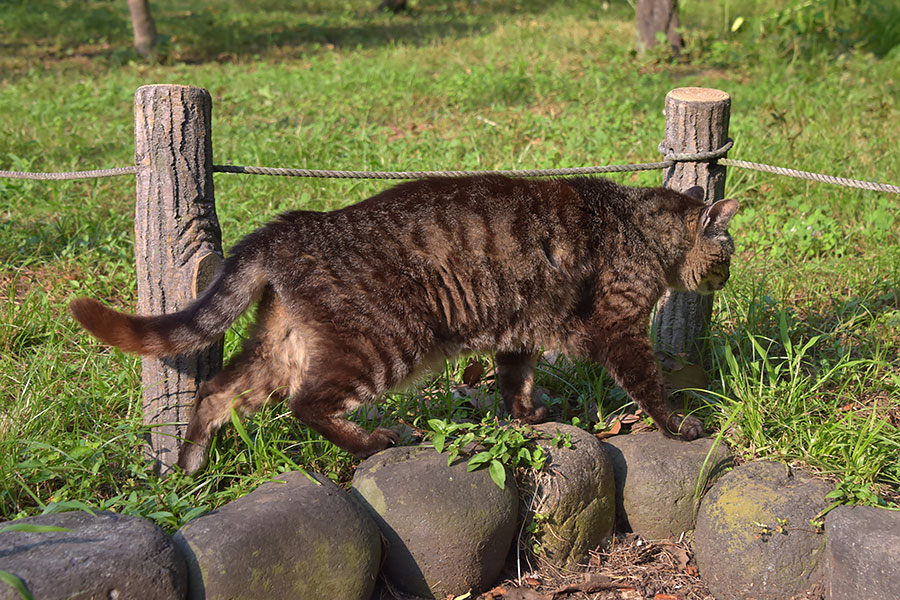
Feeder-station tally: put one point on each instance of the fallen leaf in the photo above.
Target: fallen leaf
(612, 429)
(473, 372)
(497, 592)
(630, 419)
(665, 597)
(679, 554)
(531, 580)
(642, 426)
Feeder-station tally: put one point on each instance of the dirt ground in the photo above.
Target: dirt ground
(630, 568)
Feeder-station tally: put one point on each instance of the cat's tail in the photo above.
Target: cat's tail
(193, 328)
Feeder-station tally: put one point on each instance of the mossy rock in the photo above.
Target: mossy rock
(754, 538)
(289, 538)
(659, 481)
(447, 530)
(574, 497)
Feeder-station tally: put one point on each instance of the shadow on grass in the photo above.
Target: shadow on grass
(231, 30)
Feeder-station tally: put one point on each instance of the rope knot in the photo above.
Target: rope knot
(710, 155)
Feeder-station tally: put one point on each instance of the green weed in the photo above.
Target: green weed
(498, 447)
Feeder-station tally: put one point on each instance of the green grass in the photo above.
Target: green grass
(804, 341)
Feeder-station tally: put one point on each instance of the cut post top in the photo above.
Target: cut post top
(171, 86)
(698, 94)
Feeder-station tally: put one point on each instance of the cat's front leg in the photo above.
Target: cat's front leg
(628, 356)
(515, 378)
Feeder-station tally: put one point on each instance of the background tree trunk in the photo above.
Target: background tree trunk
(658, 16)
(143, 26)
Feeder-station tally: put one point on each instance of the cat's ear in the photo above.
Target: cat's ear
(715, 218)
(696, 192)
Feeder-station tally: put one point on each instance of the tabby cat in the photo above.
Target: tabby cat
(356, 301)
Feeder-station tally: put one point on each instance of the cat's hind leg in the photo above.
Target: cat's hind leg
(244, 385)
(515, 378)
(322, 406)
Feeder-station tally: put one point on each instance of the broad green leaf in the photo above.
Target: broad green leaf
(498, 473)
(524, 455)
(160, 514)
(479, 460)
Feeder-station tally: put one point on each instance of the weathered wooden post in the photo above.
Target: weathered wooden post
(696, 121)
(178, 245)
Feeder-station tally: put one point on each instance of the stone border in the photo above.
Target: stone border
(297, 535)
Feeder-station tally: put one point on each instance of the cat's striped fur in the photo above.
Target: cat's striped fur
(355, 301)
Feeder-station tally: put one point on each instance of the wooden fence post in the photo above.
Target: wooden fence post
(696, 121)
(178, 246)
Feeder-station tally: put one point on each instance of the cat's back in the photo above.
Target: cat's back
(471, 212)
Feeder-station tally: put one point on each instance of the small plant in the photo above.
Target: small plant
(851, 492)
(562, 440)
(503, 446)
(534, 528)
(766, 532)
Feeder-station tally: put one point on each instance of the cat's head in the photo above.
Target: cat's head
(705, 267)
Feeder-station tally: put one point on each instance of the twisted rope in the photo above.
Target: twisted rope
(670, 158)
(70, 174)
(422, 174)
(854, 183)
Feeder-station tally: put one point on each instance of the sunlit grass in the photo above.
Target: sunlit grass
(805, 339)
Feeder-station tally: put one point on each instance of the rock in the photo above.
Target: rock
(862, 553)
(754, 538)
(102, 556)
(447, 530)
(289, 538)
(575, 495)
(659, 481)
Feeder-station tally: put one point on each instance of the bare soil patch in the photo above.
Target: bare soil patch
(630, 568)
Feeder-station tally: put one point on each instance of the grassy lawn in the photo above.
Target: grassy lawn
(805, 339)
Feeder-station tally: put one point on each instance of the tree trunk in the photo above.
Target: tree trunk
(143, 26)
(655, 17)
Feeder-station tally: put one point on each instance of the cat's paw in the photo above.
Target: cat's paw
(685, 428)
(378, 440)
(541, 413)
